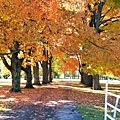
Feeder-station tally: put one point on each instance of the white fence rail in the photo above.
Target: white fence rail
(107, 104)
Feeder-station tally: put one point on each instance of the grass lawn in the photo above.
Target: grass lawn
(95, 112)
(91, 112)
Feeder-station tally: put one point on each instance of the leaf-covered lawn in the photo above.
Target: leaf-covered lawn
(52, 94)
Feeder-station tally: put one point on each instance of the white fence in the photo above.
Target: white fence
(107, 104)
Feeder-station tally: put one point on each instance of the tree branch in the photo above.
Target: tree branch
(2, 54)
(110, 19)
(102, 17)
(97, 45)
(12, 52)
(24, 69)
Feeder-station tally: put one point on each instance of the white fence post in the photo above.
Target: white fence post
(106, 96)
(116, 104)
(114, 107)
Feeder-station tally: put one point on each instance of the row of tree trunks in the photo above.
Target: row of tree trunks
(16, 67)
(90, 81)
(47, 72)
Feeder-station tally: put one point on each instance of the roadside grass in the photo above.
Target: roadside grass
(95, 112)
(91, 112)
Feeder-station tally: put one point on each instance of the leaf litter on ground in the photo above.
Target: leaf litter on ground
(46, 98)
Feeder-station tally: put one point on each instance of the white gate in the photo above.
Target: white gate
(107, 104)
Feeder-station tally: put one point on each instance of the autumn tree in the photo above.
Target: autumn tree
(102, 13)
(21, 25)
(77, 34)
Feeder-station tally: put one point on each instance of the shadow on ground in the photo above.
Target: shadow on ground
(42, 112)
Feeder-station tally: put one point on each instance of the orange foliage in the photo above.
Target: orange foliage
(37, 24)
(70, 65)
(24, 21)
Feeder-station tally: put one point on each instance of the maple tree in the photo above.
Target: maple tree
(38, 31)
(76, 34)
(21, 24)
(103, 13)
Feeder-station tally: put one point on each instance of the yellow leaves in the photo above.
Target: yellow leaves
(5, 17)
(41, 28)
(20, 55)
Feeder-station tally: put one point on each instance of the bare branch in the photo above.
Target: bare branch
(2, 54)
(113, 19)
(97, 45)
(102, 17)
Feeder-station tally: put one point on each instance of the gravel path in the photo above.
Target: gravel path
(42, 112)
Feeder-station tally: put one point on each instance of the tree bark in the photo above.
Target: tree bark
(45, 72)
(96, 83)
(86, 79)
(96, 17)
(50, 69)
(45, 67)
(28, 72)
(15, 69)
(96, 22)
(36, 74)
(29, 77)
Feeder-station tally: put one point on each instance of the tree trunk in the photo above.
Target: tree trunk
(45, 67)
(15, 69)
(96, 83)
(86, 79)
(50, 69)
(28, 72)
(29, 77)
(36, 74)
(45, 72)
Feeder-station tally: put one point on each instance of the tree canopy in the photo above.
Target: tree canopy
(63, 27)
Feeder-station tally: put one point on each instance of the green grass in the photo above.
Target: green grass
(91, 112)
(95, 113)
